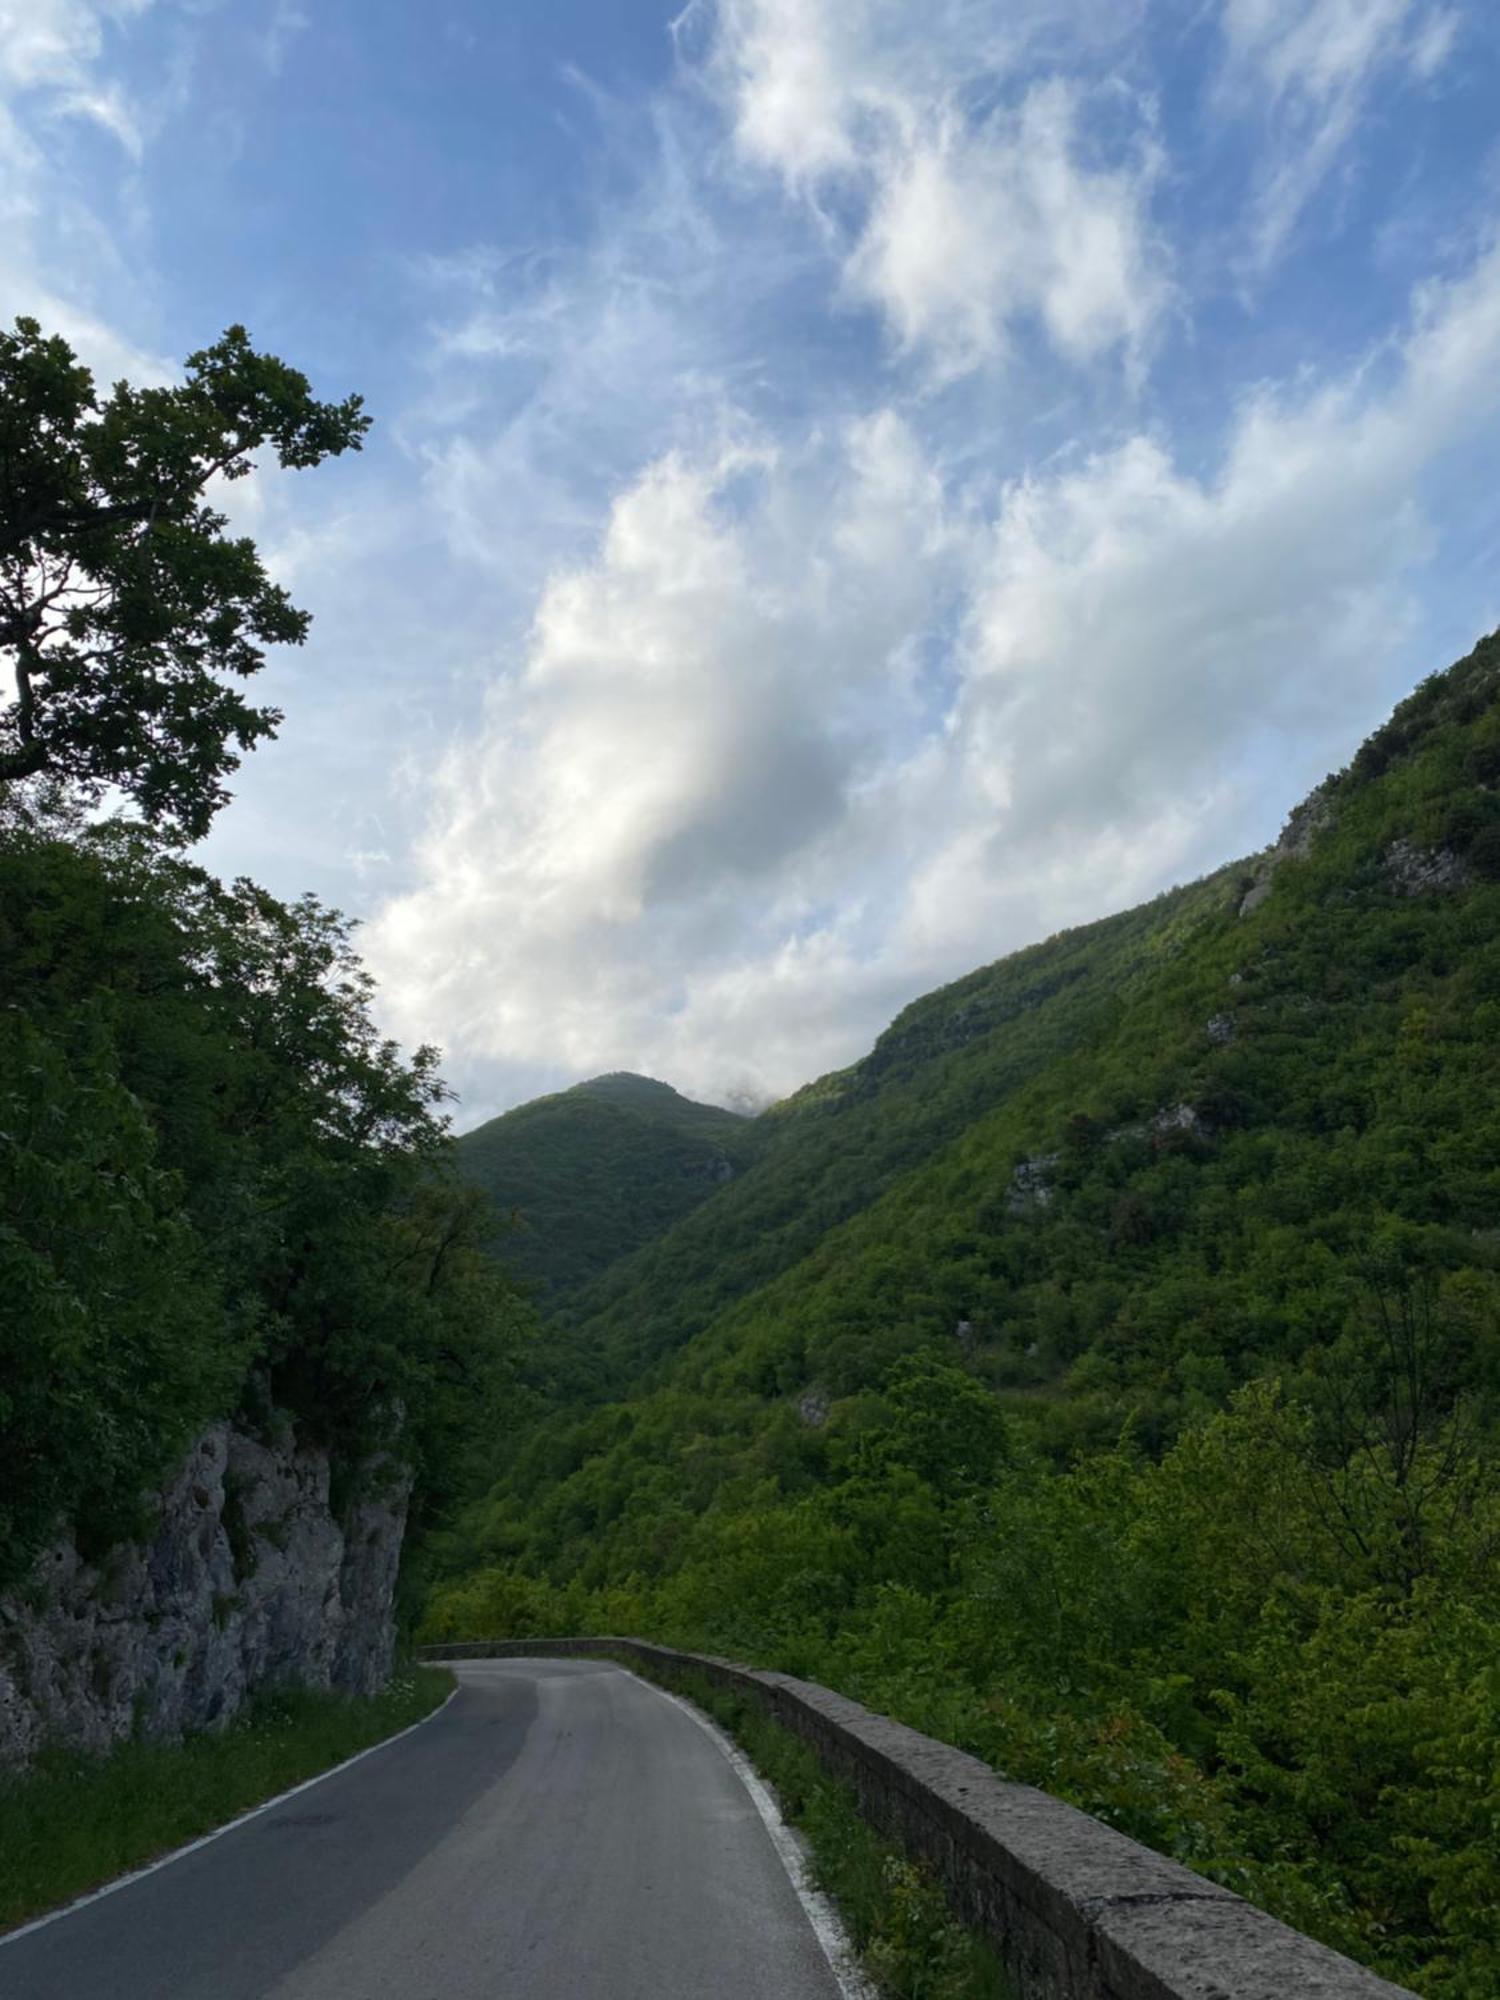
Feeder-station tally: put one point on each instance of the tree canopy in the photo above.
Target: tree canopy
(128, 614)
(223, 1194)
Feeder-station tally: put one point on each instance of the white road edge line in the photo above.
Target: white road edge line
(207, 1839)
(826, 1923)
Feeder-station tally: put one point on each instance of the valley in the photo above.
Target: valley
(1100, 1374)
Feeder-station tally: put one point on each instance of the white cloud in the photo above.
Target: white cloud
(792, 71)
(661, 785)
(1433, 42)
(1310, 67)
(61, 261)
(983, 192)
(53, 47)
(111, 111)
(806, 735)
(287, 22)
(970, 231)
(46, 42)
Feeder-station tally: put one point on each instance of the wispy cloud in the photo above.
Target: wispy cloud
(60, 259)
(1309, 67)
(970, 184)
(288, 21)
(54, 47)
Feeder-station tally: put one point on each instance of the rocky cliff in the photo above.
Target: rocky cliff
(247, 1578)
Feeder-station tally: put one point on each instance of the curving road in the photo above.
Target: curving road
(560, 1832)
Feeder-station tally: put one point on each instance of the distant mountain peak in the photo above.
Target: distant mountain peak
(594, 1171)
(626, 1083)
(624, 1086)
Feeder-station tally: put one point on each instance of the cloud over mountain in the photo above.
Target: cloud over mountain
(855, 486)
(814, 729)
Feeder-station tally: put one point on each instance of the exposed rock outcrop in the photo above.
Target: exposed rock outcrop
(813, 1407)
(1180, 1121)
(1426, 871)
(1031, 1184)
(247, 1580)
(1297, 836)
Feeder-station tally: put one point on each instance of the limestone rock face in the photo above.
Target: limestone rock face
(1180, 1120)
(813, 1408)
(247, 1580)
(1426, 871)
(1297, 836)
(1031, 1184)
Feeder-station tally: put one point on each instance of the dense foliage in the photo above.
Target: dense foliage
(221, 1192)
(1103, 1374)
(590, 1174)
(221, 1189)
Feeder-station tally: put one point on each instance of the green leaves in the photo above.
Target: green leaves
(111, 1338)
(220, 1186)
(943, 1425)
(126, 612)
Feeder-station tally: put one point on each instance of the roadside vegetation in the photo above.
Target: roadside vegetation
(74, 1821)
(908, 1943)
(1104, 1375)
(222, 1191)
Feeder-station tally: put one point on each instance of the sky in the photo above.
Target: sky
(856, 487)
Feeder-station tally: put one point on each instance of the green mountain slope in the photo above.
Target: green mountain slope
(1103, 1373)
(832, 1151)
(590, 1173)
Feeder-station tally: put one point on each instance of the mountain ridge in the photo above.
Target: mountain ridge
(1104, 1373)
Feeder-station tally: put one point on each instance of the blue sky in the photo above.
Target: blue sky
(856, 486)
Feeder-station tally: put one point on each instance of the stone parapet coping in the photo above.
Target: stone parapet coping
(1076, 1910)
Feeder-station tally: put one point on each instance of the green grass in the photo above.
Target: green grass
(73, 1821)
(896, 1916)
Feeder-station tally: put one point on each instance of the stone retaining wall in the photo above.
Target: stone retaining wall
(1076, 1910)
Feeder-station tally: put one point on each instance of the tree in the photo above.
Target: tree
(127, 613)
(1400, 1422)
(221, 1189)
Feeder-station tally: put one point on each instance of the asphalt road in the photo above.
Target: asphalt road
(560, 1832)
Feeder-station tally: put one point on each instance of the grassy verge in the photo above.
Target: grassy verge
(909, 1943)
(73, 1821)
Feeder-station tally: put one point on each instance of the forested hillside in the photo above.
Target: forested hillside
(1102, 1373)
(580, 1179)
(837, 1147)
